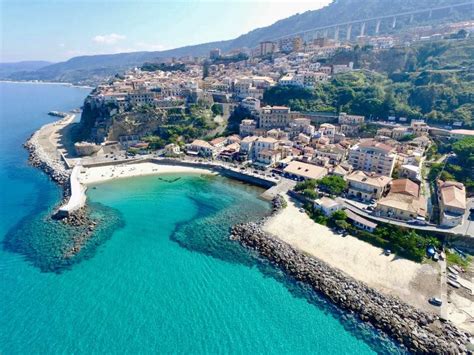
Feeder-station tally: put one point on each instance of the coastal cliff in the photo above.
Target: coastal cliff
(418, 331)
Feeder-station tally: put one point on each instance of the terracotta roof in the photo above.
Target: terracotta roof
(201, 144)
(376, 145)
(308, 171)
(267, 139)
(369, 178)
(404, 202)
(405, 186)
(218, 140)
(453, 194)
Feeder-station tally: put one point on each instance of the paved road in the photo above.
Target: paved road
(356, 207)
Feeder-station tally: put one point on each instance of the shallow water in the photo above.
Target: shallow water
(160, 276)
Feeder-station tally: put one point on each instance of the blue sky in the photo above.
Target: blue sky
(58, 30)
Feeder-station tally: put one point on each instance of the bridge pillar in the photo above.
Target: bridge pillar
(394, 22)
(411, 18)
(430, 14)
(336, 33)
(377, 27)
(348, 34)
(325, 33)
(362, 29)
(451, 10)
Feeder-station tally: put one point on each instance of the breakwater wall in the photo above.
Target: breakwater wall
(38, 158)
(419, 332)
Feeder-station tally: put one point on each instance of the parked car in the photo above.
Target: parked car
(387, 252)
(435, 301)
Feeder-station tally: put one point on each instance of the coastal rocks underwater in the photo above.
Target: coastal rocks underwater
(56, 245)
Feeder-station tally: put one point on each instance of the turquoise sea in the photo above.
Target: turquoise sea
(159, 276)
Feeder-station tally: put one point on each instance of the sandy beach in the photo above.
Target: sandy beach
(95, 175)
(412, 282)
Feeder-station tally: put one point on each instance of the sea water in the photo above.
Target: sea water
(160, 275)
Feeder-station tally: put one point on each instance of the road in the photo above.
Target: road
(467, 228)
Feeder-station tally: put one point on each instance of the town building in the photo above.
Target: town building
(403, 202)
(201, 148)
(367, 186)
(373, 156)
(419, 128)
(274, 117)
(327, 205)
(360, 222)
(267, 47)
(247, 127)
(304, 171)
(452, 202)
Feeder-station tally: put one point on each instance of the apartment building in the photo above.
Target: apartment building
(141, 98)
(267, 47)
(373, 156)
(274, 117)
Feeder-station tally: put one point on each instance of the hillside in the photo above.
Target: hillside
(91, 69)
(431, 81)
(7, 69)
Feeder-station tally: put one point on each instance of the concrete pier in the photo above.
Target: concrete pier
(77, 200)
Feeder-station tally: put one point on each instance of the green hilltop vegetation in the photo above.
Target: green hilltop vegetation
(458, 168)
(432, 80)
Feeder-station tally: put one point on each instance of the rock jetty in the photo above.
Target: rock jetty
(39, 158)
(53, 165)
(418, 331)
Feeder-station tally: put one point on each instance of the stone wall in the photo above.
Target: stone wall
(418, 331)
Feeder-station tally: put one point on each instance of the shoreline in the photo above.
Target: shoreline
(418, 331)
(249, 235)
(101, 174)
(46, 83)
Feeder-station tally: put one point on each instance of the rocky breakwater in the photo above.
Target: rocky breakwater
(51, 164)
(419, 332)
(50, 161)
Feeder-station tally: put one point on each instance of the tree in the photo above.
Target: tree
(339, 215)
(240, 113)
(464, 150)
(310, 193)
(307, 184)
(342, 224)
(217, 110)
(333, 184)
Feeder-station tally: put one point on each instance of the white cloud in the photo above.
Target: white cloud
(111, 38)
